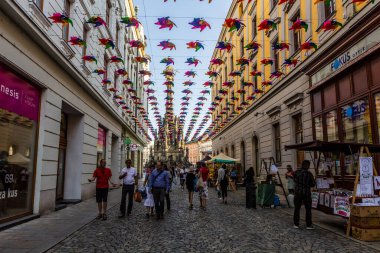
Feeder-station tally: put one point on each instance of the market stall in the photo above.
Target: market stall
(347, 183)
(215, 162)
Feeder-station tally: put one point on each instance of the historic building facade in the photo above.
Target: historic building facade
(255, 121)
(59, 117)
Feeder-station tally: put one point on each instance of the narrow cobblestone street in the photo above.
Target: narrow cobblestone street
(221, 228)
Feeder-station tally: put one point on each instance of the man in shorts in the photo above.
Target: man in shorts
(102, 176)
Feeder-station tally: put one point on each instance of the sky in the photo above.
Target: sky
(181, 13)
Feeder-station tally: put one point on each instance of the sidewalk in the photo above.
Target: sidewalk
(41, 234)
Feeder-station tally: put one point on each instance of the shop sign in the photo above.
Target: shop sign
(134, 147)
(127, 141)
(342, 206)
(351, 54)
(17, 95)
(355, 110)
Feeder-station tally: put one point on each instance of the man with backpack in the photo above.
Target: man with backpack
(222, 181)
(159, 185)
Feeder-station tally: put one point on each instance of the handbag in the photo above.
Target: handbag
(138, 197)
(200, 182)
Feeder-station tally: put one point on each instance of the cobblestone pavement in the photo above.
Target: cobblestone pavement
(221, 228)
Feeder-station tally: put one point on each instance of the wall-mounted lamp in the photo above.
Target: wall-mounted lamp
(27, 152)
(10, 151)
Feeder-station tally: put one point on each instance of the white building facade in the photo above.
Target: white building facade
(59, 119)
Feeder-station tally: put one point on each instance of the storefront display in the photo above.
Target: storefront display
(19, 113)
(101, 146)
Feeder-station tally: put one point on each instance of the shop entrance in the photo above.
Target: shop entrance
(61, 157)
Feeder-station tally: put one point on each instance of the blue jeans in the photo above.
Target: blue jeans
(159, 200)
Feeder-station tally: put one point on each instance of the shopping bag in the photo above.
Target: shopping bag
(138, 197)
(273, 169)
(200, 182)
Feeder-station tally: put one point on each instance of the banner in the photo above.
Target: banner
(342, 206)
(314, 199)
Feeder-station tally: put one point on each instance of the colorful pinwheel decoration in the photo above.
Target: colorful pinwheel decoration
(212, 73)
(188, 83)
(121, 72)
(208, 84)
(167, 72)
(145, 73)
(267, 25)
(106, 81)
(99, 71)
(280, 46)
(97, 21)
(195, 45)
(167, 61)
(77, 41)
(127, 82)
(107, 42)
(242, 62)
(142, 59)
(150, 91)
(309, 45)
(130, 21)
(192, 61)
(228, 84)
(267, 61)
(245, 84)
(290, 62)
(199, 23)
(298, 25)
(190, 73)
(148, 82)
(332, 24)
(90, 58)
(235, 73)
(255, 73)
(60, 18)
(187, 91)
(136, 44)
(165, 22)
(217, 61)
(224, 45)
(286, 1)
(233, 24)
(166, 44)
(276, 74)
(253, 45)
(266, 83)
(116, 59)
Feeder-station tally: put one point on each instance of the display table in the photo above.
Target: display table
(265, 194)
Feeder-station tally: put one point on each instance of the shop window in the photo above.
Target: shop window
(344, 88)
(356, 122)
(329, 95)
(66, 28)
(277, 142)
(19, 112)
(298, 136)
(242, 47)
(318, 129)
(317, 102)
(326, 10)
(275, 54)
(85, 38)
(332, 126)
(296, 34)
(375, 66)
(273, 4)
(254, 27)
(102, 144)
(377, 106)
(360, 79)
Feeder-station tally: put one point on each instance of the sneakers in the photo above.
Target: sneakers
(295, 226)
(104, 216)
(99, 216)
(310, 228)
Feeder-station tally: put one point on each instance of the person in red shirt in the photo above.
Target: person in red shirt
(203, 192)
(102, 176)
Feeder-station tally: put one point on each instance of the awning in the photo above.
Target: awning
(325, 146)
(222, 158)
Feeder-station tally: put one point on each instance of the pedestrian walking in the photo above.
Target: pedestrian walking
(250, 188)
(290, 179)
(103, 178)
(167, 193)
(159, 185)
(304, 180)
(182, 178)
(203, 192)
(234, 177)
(130, 180)
(190, 178)
(222, 181)
(149, 201)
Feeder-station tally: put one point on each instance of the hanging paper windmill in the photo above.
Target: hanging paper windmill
(228, 84)
(127, 82)
(166, 44)
(149, 91)
(309, 45)
(167, 61)
(190, 73)
(151, 98)
(235, 73)
(267, 83)
(106, 81)
(192, 61)
(130, 21)
(90, 58)
(168, 83)
(245, 84)
(77, 41)
(136, 43)
(185, 103)
(267, 61)
(187, 91)
(107, 42)
(224, 45)
(286, 1)
(242, 61)
(60, 18)
(212, 73)
(142, 59)
(199, 23)
(233, 24)
(188, 83)
(276, 74)
(195, 45)
(113, 89)
(331, 25)
(99, 71)
(145, 73)
(121, 72)
(208, 84)
(148, 82)
(298, 25)
(185, 98)
(165, 22)
(217, 61)
(280, 46)
(290, 61)
(253, 45)
(97, 21)
(116, 59)
(167, 72)
(255, 73)
(267, 25)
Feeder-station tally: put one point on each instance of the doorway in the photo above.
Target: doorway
(61, 157)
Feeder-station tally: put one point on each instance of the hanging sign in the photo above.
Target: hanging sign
(134, 147)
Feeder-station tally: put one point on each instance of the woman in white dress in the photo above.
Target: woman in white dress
(149, 201)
